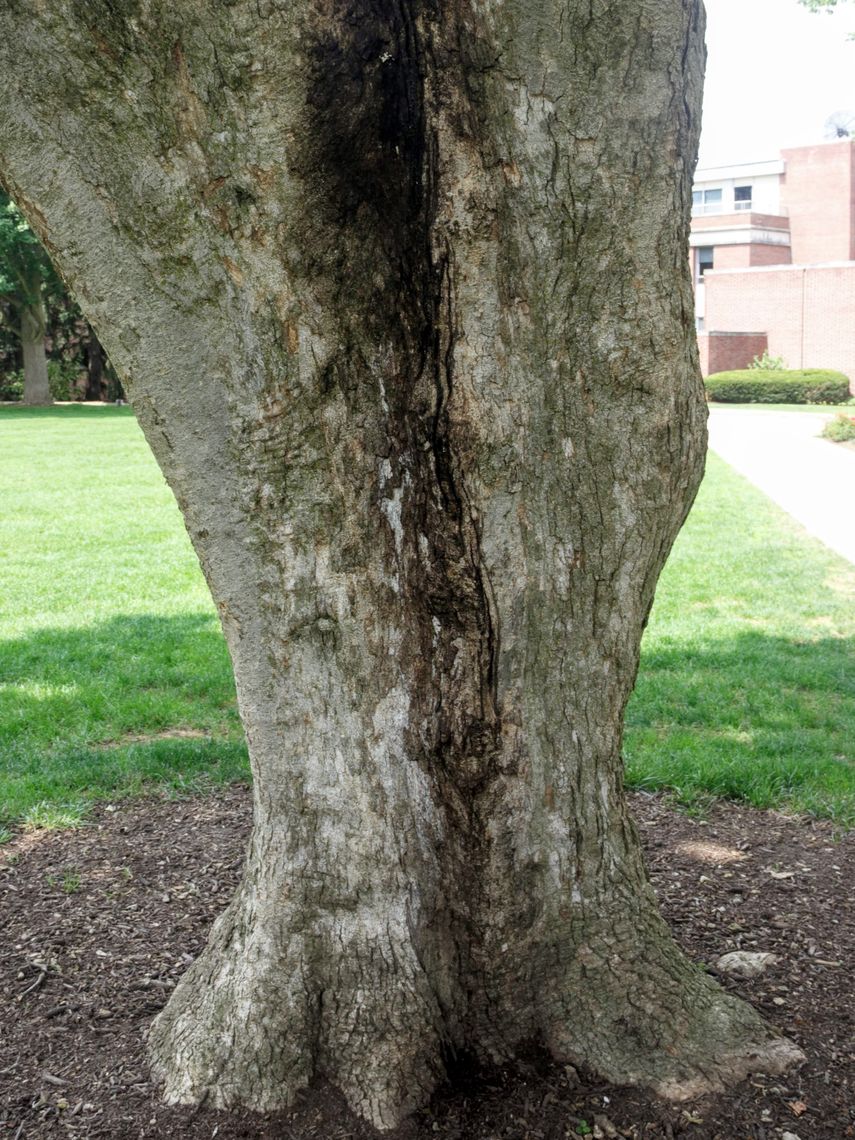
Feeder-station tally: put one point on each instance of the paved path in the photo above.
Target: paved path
(811, 478)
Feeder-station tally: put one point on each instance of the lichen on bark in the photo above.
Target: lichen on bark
(400, 294)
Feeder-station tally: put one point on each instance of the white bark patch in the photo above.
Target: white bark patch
(391, 719)
(403, 782)
(604, 791)
(392, 510)
(383, 401)
(745, 963)
(331, 587)
(565, 560)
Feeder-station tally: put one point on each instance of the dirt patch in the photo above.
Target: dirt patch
(148, 737)
(99, 923)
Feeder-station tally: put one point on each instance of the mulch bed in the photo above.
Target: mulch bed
(99, 923)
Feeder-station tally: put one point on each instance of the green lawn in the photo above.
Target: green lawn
(113, 671)
(747, 681)
(817, 409)
(114, 677)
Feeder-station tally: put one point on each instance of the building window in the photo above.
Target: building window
(703, 261)
(742, 198)
(706, 201)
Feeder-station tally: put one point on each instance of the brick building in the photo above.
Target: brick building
(773, 260)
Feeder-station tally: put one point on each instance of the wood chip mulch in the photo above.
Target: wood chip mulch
(99, 923)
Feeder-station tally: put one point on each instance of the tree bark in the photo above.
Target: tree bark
(399, 292)
(32, 327)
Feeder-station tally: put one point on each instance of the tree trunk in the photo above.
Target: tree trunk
(400, 295)
(94, 368)
(32, 325)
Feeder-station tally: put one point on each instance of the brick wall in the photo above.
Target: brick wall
(768, 254)
(732, 256)
(818, 192)
(747, 254)
(742, 220)
(807, 312)
(724, 351)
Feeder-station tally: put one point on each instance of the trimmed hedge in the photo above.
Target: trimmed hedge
(780, 386)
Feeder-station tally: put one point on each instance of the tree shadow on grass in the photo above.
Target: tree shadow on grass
(93, 711)
(85, 713)
(66, 412)
(761, 718)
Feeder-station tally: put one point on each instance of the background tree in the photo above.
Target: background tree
(400, 294)
(33, 296)
(78, 367)
(25, 274)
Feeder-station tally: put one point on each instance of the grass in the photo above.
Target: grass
(819, 409)
(747, 681)
(48, 816)
(70, 881)
(114, 677)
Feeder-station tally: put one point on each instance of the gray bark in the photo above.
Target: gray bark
(399, 293)
(32, 329)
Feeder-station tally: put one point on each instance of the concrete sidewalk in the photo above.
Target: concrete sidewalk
(812, 479)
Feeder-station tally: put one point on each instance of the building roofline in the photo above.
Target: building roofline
(739, 169)
(785, 268)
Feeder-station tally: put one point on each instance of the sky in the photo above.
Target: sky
(775, 72)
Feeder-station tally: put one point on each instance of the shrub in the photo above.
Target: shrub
(12, 386)
(62, 379)
(767, 363)
(774, 386)
(841, 429)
